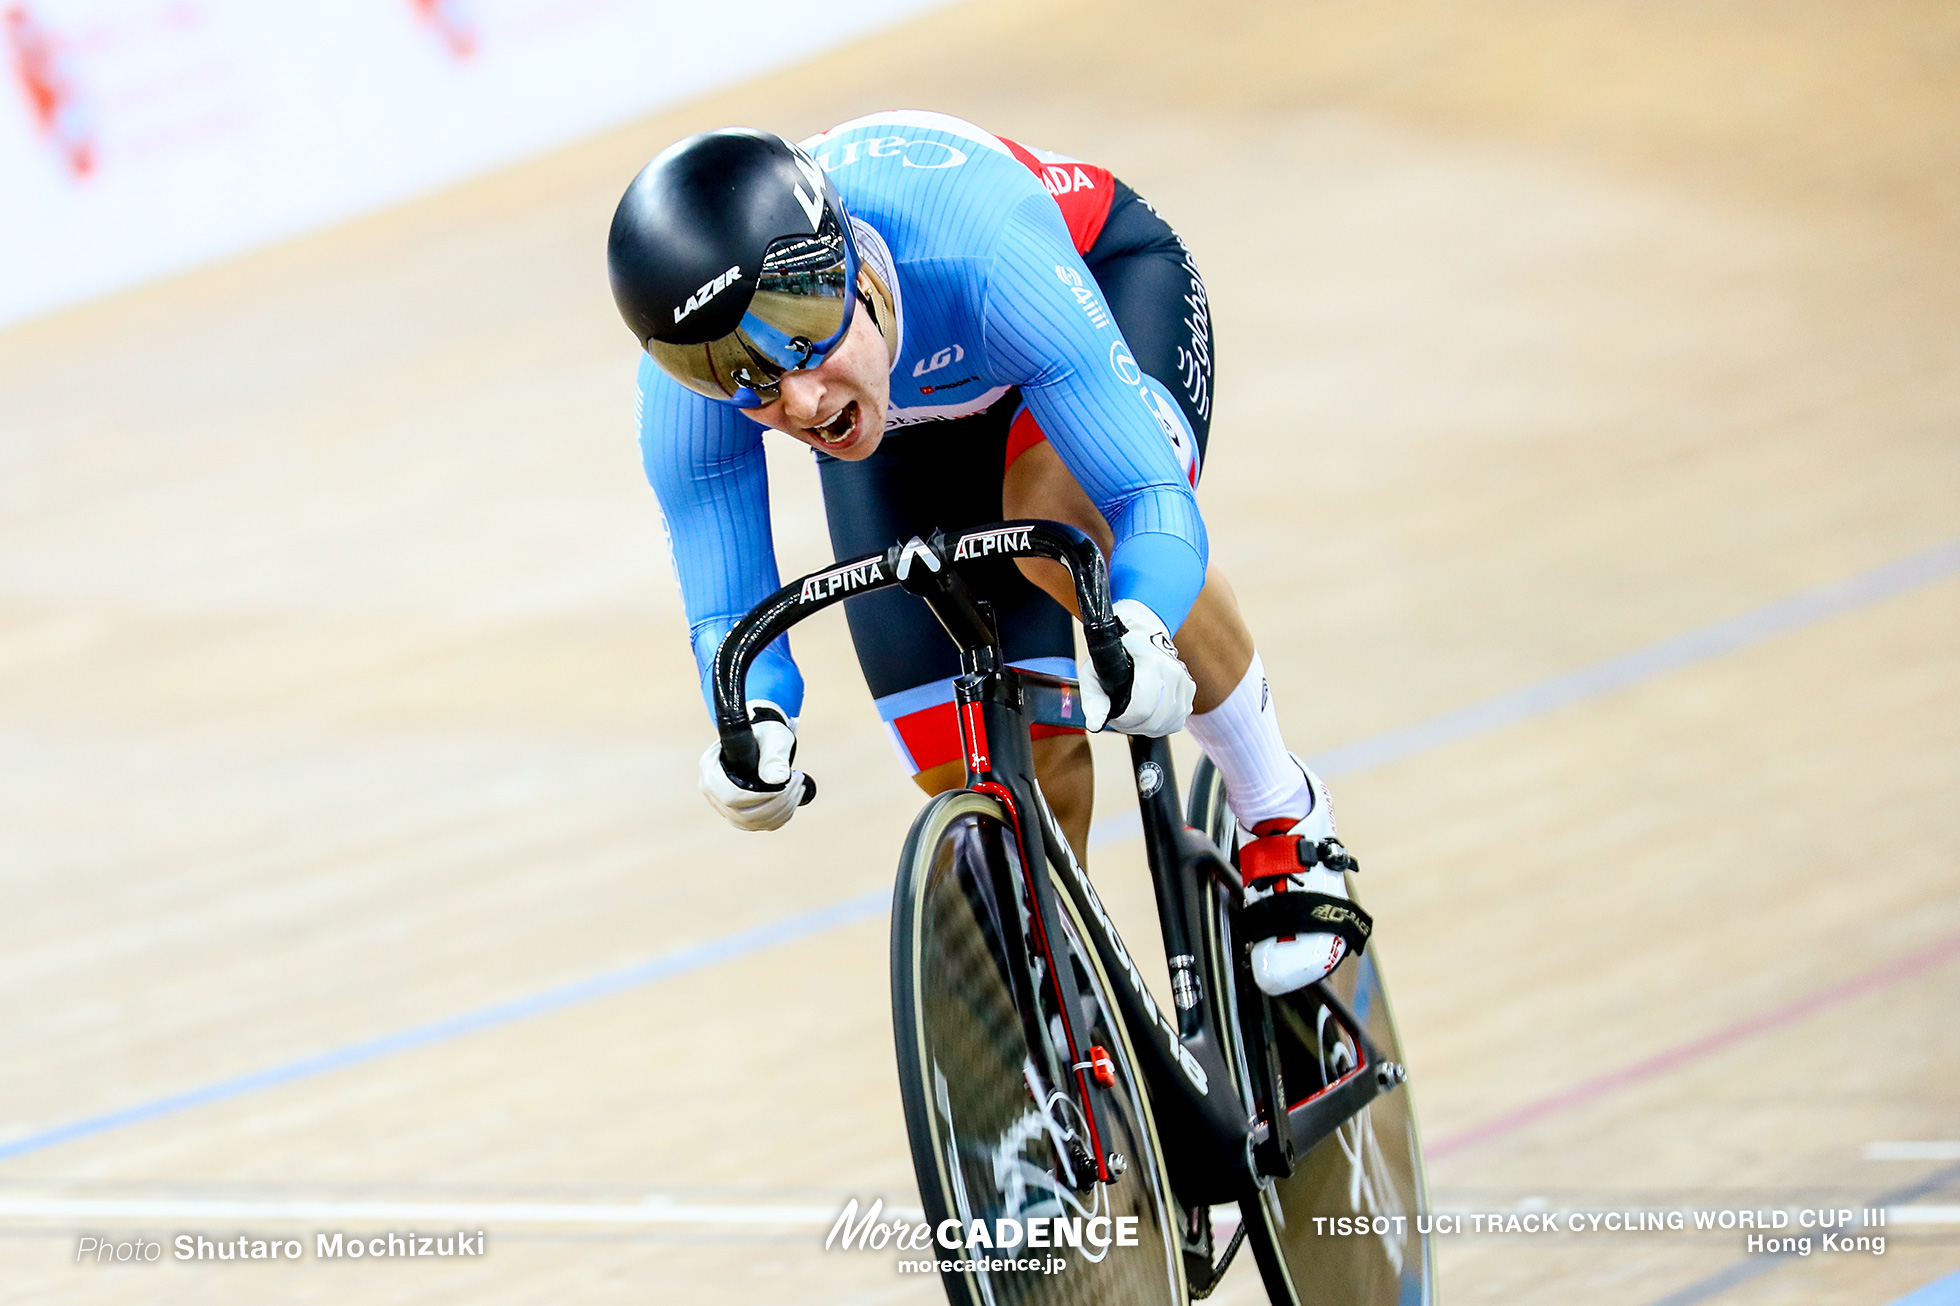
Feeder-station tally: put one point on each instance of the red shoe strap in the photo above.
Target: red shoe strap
(1269, 856)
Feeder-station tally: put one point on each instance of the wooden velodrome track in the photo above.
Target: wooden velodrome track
(343, 686)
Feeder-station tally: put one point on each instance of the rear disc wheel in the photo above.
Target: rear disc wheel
(1370, 1167)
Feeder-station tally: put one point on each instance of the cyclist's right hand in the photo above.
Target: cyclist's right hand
(1161, 688)
(751, 809)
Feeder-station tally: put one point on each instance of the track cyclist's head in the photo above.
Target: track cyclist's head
(734, 264)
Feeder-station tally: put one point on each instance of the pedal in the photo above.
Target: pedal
(1081, 1176)
(1195, 1237)
(1198, 1272)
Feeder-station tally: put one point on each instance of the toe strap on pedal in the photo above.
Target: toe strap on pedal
(1288, 854)
(1284, 915)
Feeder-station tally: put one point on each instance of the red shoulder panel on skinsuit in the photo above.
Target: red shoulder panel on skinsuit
(1082, 191)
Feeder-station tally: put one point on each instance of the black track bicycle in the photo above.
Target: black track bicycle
(1044, 1083)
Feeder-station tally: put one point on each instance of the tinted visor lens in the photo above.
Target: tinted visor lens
(800, 312)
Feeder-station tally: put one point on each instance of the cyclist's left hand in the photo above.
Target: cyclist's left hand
(1161, 689)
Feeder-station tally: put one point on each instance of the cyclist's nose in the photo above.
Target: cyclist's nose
(802, 397)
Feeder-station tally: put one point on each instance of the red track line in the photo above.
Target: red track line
(1695, 1049)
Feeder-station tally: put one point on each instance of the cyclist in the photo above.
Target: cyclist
(965, 330)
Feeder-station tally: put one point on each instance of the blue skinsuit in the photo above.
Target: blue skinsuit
(986, 273)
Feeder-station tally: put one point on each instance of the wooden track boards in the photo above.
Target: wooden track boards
(345, 688)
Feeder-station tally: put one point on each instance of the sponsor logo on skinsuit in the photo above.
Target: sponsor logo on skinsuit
(941, 358)
(1171, 423)
(1085, 298)
(1123, 364)
(1061, 180)
(918, 153)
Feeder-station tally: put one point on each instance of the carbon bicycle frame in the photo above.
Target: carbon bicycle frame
(1216, 1147)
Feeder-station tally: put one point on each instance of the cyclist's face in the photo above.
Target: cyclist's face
(840, 406)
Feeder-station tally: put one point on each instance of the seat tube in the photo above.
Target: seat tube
(1156, 781)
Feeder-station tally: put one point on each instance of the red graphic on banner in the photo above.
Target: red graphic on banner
(454, 21)
(58, 107)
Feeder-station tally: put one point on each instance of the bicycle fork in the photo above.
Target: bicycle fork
(996, 760)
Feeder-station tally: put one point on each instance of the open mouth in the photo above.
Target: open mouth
(838, 429)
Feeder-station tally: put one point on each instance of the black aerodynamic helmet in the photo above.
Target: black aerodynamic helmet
(732, 261)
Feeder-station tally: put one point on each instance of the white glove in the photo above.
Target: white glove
(1160, 694)
(746, 809)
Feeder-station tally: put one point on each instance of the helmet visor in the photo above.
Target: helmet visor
(801, 310)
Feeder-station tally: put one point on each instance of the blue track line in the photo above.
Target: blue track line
(679, 962)
(1700, 645)
(1756, 1266)
(1941, 1292)
(1889, 581)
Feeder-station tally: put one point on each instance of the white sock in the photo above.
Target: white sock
(1241, 736)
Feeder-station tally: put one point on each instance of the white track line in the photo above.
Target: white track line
(652, 1211)
(1923, 1215)
(1935, 1151)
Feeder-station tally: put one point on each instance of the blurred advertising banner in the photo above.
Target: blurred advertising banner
(138, 137)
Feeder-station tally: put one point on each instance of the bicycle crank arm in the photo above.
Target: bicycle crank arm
(1316, 1117)
(1326, 1111)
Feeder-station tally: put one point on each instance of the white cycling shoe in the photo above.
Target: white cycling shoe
(1299, 857)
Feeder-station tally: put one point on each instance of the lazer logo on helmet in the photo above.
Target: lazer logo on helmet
(708, 292)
